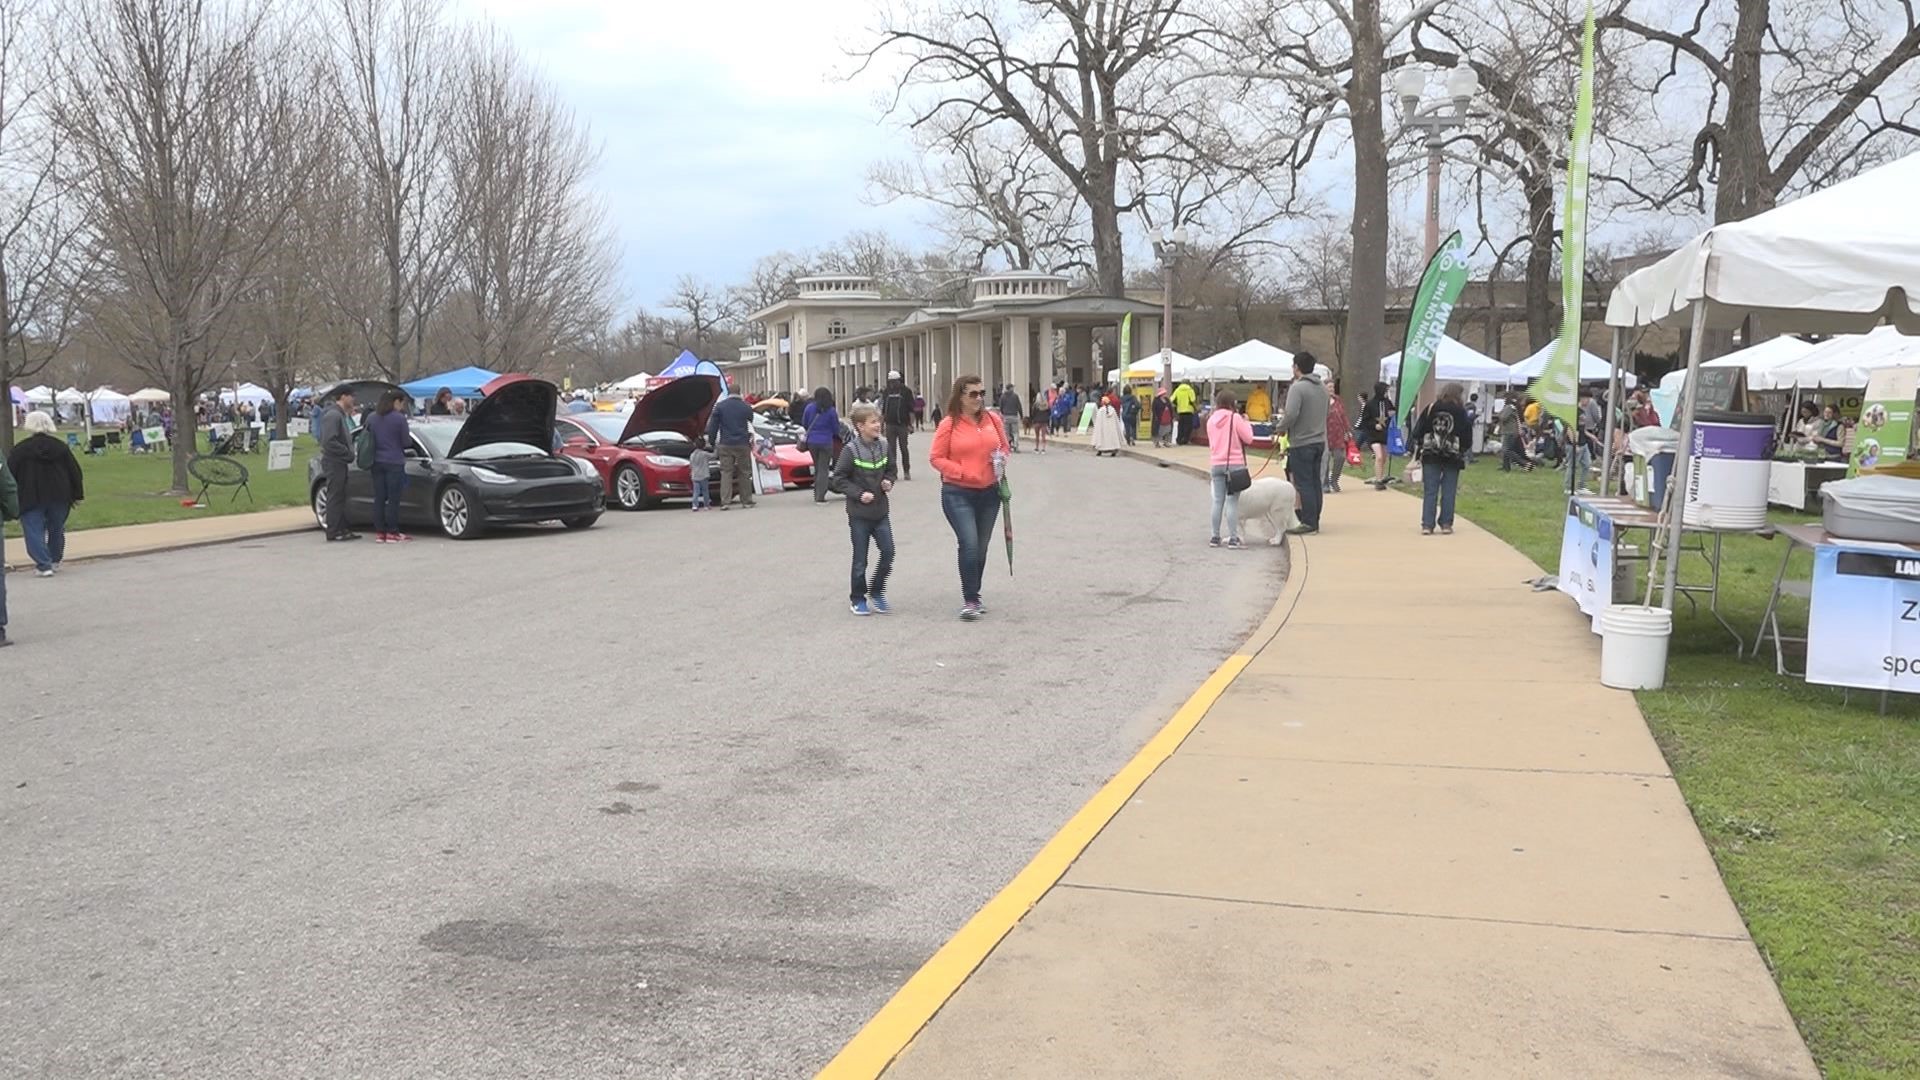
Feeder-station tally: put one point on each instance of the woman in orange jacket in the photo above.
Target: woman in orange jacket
(969, 451)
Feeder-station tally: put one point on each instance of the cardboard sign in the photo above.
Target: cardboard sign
(279, 455)
(1885, 430)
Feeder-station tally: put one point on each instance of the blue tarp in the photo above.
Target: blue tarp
(464, 382)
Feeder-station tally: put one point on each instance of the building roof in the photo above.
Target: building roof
(1066, 311)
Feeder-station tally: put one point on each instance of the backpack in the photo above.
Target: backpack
(1441, 443)
(363, 447)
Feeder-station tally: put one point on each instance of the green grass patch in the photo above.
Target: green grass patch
(1809, 799)
(131, 489)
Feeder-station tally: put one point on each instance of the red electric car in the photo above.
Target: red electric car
(642, 456)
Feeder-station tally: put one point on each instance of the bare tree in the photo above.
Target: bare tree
(533, 257)
(1319, 268)
(704, 306)
(1329, 59)
(1088, 83)
(43, 254)
(998, 199)
(175, 110)
(1797, 96)
(392, 93)
(770, 281)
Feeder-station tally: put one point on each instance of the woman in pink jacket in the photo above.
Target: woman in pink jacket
(1228, 434)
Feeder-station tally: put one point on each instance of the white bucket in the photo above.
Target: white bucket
(1633, 646)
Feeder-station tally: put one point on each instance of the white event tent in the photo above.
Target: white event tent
(107, 405)
(150, 396)
(1846, 361)
(40, 395)
(1455, 362)
(1250, 361)
(70, 396)
(248, 392)
(636, 381)
(1592, 368)
(1758, 360)
(1845, 258)
(1153, 365)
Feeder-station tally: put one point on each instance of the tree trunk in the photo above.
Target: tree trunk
(6, 415)
(1744, 186)
(1109, 264)
(185, 441)
(281, 400)
(1543, 306)
(1367, 289)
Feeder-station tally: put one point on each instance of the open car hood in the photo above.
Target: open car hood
(366, 393)
(681, 406)
(521, 411)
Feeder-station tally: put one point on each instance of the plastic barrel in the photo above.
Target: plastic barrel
(1633, 646)
(1727, 478)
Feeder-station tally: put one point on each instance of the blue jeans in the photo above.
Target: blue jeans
(881, 533)
(388, 482)
(971, 512)
(1307, 470)
(3, 584)
(45, 527)
(1223, 498)
(700, 493)
(1438, 484)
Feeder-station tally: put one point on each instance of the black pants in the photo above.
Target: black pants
(822, 468)
(1185, 430)
(1306, 467)
(897, 448)
(336, 474)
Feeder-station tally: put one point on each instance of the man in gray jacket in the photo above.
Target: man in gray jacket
(335, 434)
(1304, 422)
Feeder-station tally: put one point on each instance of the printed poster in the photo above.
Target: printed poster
(1586, 559)
(1864, 631)
(1885, 429)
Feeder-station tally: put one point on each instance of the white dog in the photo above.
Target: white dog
(1269, 500)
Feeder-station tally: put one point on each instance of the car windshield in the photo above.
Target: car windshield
(605, 426)
(440, 438)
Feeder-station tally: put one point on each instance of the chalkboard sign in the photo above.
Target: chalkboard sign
(1721, 388)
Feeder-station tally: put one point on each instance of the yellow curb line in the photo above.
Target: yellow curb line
(875, 1046)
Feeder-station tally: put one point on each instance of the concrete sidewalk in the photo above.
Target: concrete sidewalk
(1413, 837)
(166, 535)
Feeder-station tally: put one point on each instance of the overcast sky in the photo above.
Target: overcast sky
(726, 130)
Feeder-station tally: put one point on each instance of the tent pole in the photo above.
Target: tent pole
(1683, 456)
(1612, 403)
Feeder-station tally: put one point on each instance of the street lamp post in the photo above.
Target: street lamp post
(1168, 245)
(1434, 119)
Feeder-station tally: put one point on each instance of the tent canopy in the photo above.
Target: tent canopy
(1846, 362)
(107, 394)
(1846, 257)
(1454, 363)
(464, 382)
(636, 381)
(150, 396)
(247, 392)
(684, 364)
(70, 396)
(1151, 365)
(40, 395)
(1592, 368)
(1253, 360)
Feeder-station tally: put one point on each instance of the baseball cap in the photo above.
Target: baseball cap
(893, 374)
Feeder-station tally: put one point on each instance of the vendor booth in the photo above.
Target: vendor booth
(1592, 368)
(1454, 362)
(465, 382)
(1843, 259)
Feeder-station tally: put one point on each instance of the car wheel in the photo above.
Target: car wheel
(629, 488)
(584, 521)
(320, 504)
(459, 518)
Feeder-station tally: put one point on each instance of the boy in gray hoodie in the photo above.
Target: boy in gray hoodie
(864, 473)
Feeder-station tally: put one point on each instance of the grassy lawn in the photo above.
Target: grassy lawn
(1811, 804)
(129, 489)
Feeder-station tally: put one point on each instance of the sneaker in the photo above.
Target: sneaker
(44, 573)
(382, 538)
(1424, 531)
(1446, 530)
(1235, 544)
(859, 607)
(980, 606)
(969, 612)
(878, 605)
(4, 639)
(56, 567)
(1213, 541)
(399, 538)
(1302, 530)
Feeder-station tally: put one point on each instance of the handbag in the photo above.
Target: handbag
(1238, 478)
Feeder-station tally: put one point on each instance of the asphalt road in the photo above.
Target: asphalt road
(643, 800)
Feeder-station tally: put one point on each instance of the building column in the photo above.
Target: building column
(1040, 364)
(1019, 357)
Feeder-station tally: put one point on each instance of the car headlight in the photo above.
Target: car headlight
(584, 468)
(664, 462)
(491, 477)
